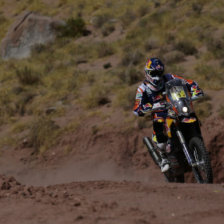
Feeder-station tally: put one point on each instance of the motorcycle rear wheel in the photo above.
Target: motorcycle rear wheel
(169, 175)
(203, 171)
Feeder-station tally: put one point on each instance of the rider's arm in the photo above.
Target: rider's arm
(140, 108)
(192, 86)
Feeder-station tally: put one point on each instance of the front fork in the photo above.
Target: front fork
(185, 148)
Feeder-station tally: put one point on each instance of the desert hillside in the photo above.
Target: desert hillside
(71, 149)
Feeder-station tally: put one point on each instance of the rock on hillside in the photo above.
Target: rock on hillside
(29, 29)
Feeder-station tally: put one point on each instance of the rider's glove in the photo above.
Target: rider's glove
(196, 92)
(147, 108)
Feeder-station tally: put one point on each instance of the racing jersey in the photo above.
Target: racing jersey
(147, 96)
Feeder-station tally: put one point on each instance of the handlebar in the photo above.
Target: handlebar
(166, 105)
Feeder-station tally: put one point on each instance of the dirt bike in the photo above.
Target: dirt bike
(188, 152)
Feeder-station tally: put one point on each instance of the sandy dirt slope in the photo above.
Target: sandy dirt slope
(111, 202)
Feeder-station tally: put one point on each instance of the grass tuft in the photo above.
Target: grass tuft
(215, 44)
(125, 98)
(104, 49)
(221, 111)
(209, 76)
(131, 57)
(127, 18)
(107, 29)
(27, 76)
(99, 20)
(72, 28)
(130, 75)
(186, 46)
(152, 43)
(43, 134)
(174, 57)
(97, 96)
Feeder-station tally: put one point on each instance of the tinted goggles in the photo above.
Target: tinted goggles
(155, 73)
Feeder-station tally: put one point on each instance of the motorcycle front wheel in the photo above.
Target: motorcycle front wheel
(203, 170)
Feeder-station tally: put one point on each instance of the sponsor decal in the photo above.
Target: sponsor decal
(154, 138)
(138, 95)
(189, 120)
(148, 105)
(157, 97)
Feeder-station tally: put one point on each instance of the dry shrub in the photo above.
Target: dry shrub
(27, 76)
(143, 10)
(43, 134)
(186, 46)
(7, 108)
(130, 75)
(158, 16)
(210, 76)
(107, 29)
(99, 20)
(215, 44)
(218, 14)
(164, 49)
(22, 100)
(72, 28)
(38, 48)
(175, 69)
(221, 111)
(202, 32)
(104, 49)
(157, 4)
(2, 18)
(107, 65)
(197, 7)
(97, 96)
(152, 43)
(131, 57)
(127, 18)
(174, 57)
(62, 3)
(126, 98)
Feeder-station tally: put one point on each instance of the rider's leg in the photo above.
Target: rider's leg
(158, 127)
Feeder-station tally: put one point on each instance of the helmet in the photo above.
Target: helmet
(154, 69)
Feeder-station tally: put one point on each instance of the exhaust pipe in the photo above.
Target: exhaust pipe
(147, 141)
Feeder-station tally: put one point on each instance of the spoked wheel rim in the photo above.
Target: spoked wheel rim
(200, 168)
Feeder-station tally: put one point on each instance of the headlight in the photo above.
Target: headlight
(185, 109)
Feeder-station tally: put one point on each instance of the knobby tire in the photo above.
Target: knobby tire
(197, 144)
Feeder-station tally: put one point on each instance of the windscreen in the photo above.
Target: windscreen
(177, 92)
(179, 96)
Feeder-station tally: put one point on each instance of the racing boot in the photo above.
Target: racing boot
(165, 163)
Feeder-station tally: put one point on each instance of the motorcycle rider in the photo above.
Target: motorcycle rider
(149, 97)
